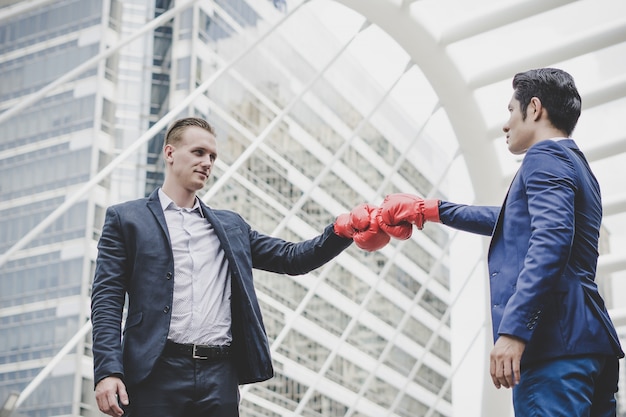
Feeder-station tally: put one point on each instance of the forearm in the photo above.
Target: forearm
(291, 258)
(107, 299)
(106, 318)
(474, 219)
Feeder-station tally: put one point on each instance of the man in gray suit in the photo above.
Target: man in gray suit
(194, 329)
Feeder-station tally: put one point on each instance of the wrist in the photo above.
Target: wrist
(342, 226)
(431, 210)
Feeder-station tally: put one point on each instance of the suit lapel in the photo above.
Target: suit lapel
(498, 225)
(233, 265)
(154, 205)
(217, 225)
(219, 231)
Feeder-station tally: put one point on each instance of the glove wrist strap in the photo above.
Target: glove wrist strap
(431, 211)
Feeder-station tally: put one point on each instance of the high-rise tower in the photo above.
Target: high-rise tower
(366, 333)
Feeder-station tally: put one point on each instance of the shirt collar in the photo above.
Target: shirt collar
(167, 202)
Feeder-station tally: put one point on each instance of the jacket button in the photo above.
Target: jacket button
(169, 275)
(166, 309)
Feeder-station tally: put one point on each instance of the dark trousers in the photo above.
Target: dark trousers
(185, 387)
(568, 387)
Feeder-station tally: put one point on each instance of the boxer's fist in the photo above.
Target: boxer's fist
(402, 230)
(368, 235)
(362, 225)
(399, 209)
(343, 226)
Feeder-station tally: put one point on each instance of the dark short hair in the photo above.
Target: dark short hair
(177, 128)
(556, 90)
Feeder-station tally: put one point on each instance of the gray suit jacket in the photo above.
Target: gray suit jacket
(135, 259)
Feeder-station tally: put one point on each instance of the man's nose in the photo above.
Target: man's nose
(207, 161)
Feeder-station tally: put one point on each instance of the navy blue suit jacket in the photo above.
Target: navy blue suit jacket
(135, 259)
(543, 255)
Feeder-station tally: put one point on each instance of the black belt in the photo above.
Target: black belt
(197, 351)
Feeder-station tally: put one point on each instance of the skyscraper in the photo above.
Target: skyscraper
(304, 134)
(47, 151)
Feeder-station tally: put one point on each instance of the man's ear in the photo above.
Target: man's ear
(535, 109)
(167, 152)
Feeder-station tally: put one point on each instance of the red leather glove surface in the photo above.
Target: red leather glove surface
(368, 235)
(398, 209)
(343, 226)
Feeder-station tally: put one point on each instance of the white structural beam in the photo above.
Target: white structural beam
(21, 7)
(611, 262)
(614, 204)
(578, 43)
(611, 90)
(607, 150)
(618, 316)
(500, 14)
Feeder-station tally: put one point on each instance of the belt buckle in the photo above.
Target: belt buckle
(195, 355)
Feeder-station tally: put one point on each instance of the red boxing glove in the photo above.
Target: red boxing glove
(399, 209)
(343, 226)
(367, 235)
(402, 230)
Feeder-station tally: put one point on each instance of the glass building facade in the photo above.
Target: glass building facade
(46, 152)
(366, 335)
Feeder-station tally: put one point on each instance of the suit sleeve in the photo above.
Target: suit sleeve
(295, 258)
(550, 187)
(474, 219)
(107, 299)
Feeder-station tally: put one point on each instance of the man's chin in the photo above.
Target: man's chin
(197, 185)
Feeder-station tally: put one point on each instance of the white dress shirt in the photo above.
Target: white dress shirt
(201, 308)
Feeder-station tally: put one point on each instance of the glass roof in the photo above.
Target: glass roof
(465, 55)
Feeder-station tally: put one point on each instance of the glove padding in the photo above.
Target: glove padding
(402, 209)
(343, 226)
(368, 234)
(361, 224)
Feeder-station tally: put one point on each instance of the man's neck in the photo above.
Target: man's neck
(180, 196)
(548, 133)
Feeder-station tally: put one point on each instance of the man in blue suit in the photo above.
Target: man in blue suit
(555, 344)
(194, 329)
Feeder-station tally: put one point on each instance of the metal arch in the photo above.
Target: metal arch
(456, 96)
(463, 111)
